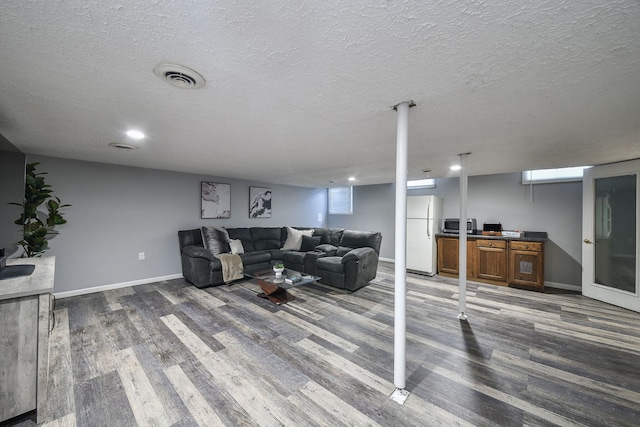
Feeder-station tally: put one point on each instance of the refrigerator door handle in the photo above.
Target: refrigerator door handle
(429, 219)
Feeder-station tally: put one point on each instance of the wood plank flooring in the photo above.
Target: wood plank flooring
(169, 354)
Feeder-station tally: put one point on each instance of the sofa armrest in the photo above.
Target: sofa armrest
(358, 254)
(327, 249)
(360, 267)
(198, 252)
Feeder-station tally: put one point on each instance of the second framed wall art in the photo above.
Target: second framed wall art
(259, 202)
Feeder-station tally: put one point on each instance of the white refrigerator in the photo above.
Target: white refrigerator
(424, 220)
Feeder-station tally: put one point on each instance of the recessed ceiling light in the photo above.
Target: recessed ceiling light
(135, 134)
(352, 178)
(456, 167)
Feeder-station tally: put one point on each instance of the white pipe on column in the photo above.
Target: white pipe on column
(400, 318)
(462, 263)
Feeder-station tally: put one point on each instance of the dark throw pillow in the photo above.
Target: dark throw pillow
(216, 240)
(309, 243)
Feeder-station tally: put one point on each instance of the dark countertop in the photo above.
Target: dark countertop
(528, 236)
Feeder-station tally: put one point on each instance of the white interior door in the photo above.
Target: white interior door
(610, 254)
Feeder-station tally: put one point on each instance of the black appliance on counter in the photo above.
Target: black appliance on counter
(452, 225)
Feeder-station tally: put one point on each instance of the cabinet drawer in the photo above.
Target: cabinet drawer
(502, 244)
(526, 246)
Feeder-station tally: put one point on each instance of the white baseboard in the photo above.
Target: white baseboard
(555, 285)
(564, 286)
(84, 291)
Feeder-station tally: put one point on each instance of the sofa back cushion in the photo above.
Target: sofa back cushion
(216, 240)
(360, 239)
(244, 235)
(336, 236)
(190, 238)
(265, 238)
(323, 233)
(328, 235)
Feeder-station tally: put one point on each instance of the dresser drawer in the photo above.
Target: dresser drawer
(501, 244)
(526, 246)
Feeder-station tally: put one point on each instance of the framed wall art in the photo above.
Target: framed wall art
(216, 200)
(259, 202)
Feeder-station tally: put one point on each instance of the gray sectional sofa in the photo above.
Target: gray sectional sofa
(345, 259)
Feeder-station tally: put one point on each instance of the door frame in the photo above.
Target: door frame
(591, 289)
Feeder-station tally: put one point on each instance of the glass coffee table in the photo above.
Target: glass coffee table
(275, 287)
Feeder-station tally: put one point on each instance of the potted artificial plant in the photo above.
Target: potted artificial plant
(278, 269)
(36, 225)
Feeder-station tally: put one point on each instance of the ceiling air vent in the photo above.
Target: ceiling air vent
(122, 146)
(179, 76)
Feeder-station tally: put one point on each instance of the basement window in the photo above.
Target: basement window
(341, 200)
(421, 183)
(547, 176)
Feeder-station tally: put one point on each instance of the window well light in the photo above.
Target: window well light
(135, 134)
(456, 167)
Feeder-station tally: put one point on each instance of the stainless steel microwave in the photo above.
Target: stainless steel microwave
(452, 225)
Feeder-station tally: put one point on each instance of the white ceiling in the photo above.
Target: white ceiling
(300, 92)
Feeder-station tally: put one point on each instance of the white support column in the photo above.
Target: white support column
(462, 263)
(400, 317)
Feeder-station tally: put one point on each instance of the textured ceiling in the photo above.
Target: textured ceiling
(300, 92)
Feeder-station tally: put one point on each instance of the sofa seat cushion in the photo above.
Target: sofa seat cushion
(198, 252)
(331, 263)
(293, 257)
(276, 254)
(343, 250)
(329, 250)
(257, 257)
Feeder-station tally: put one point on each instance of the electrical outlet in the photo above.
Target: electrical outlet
(140, 256)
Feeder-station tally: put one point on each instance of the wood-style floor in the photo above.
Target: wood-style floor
(169, 354)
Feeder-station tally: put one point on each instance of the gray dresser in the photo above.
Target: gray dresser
(25, 324)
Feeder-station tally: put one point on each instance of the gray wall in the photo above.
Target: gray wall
(556, 209)
(119, 211)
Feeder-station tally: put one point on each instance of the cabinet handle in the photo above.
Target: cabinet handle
(52, 323)
(490, 244)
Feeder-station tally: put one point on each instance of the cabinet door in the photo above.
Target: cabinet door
(526, 268)
(18, 355)
(448, 256)
(44, 328)
(448, 249)
(492, 260)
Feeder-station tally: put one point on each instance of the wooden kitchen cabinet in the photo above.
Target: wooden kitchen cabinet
(499, 261)
(526, 265)
(491, 260)
(448, 256)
